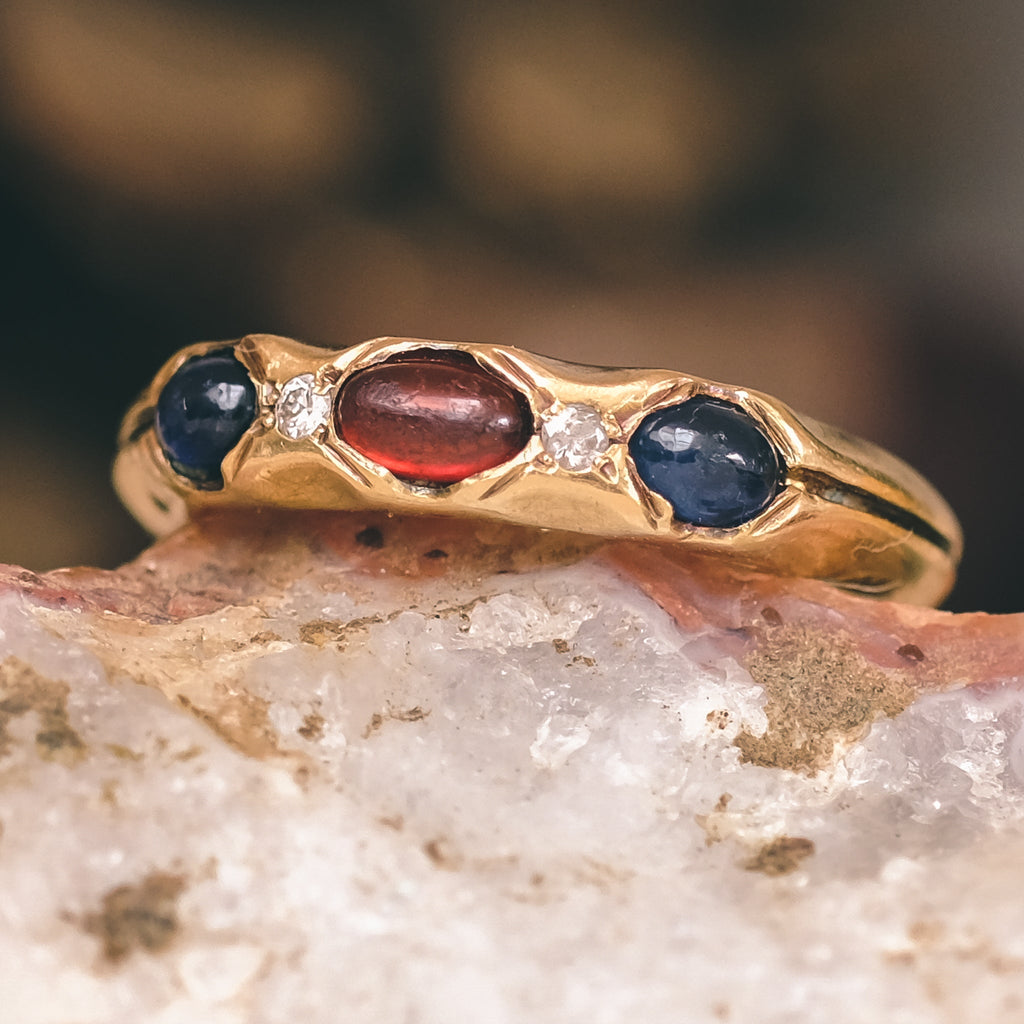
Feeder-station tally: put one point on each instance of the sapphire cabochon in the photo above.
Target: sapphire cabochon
(202, 413)
(709, 459)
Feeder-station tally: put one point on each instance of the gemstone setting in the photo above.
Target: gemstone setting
(709, 459)
(432, 416)
(300, 409)
(202, 413)
(575, 437)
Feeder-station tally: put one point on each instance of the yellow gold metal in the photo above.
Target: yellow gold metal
(848, 512)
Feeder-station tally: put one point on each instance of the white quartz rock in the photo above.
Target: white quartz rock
(369, 796)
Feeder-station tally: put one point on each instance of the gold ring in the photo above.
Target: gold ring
(489, 431)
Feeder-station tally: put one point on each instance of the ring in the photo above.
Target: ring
(493, 432)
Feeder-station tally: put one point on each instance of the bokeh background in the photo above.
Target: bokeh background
(824, 201)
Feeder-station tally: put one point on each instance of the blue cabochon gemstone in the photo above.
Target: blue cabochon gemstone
(202, 413)
(709, 459)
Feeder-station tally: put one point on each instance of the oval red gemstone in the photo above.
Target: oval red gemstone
(433, 416)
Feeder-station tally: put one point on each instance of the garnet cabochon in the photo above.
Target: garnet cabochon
(432, 417)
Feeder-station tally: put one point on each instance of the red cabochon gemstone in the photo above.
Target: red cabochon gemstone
(432, 415)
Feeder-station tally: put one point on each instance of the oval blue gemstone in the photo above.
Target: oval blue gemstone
(709, 460)
(202, 413)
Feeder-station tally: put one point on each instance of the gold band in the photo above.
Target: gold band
(844, 510)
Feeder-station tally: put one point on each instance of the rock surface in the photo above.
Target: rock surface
(358, 768)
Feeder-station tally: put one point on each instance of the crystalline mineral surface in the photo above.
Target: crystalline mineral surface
(364, 769)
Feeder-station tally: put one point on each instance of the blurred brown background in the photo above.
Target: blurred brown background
(822, 201)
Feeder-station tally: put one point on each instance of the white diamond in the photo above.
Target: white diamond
(300, 409)
(574, 437)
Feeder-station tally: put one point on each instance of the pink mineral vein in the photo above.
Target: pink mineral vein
(227, 560)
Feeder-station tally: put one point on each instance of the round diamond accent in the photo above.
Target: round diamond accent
(574, 437)
(300, 409)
